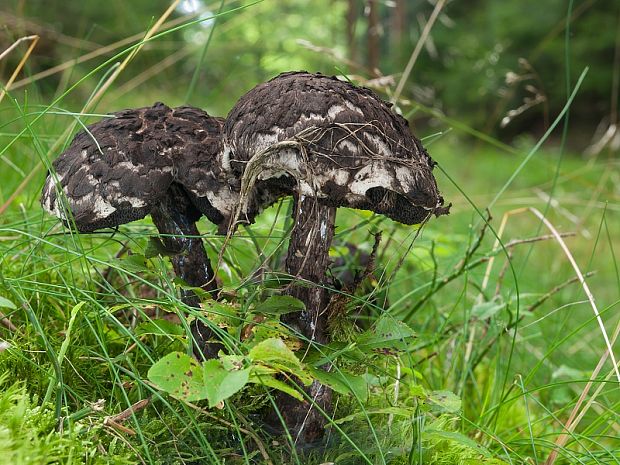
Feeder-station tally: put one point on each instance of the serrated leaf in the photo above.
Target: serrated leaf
(159, 327)
(280, 305)
(220, 383)
(6, 303)
(446, 400)
(342, 382)
(179, 375)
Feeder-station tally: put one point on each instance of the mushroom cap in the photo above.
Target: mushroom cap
(118, 169)
(330, 140)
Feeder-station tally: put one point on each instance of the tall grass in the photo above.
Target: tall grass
(509, 364)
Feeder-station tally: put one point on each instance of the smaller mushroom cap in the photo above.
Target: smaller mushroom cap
(119, 168)
(331, 140)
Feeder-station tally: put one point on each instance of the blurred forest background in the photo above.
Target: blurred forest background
(497, 66)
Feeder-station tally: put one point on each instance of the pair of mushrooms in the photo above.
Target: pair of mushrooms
(324, 141)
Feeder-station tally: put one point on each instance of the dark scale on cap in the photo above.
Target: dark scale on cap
(119, 168)
(349, 148)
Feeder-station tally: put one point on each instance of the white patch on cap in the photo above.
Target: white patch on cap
(372, 175)
(335, 110)
(380, 147)
(102, 208)
(346, 144)
(352, 107)
(225, 157)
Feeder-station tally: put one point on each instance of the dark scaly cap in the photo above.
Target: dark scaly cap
(331, 140)
(116, 170)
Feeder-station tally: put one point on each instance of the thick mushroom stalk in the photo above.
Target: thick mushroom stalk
(139, 162)
(329, 144)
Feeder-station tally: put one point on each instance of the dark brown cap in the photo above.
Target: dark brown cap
(116, 170)
(329, 139)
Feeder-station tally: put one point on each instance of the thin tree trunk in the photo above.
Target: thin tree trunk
(373, 37)
(352, 15)
(399, 19)
(307, 260)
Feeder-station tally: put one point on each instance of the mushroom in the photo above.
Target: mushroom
(154, 160)
(329, 144)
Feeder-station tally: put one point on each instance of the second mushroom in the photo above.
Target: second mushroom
(153, 160)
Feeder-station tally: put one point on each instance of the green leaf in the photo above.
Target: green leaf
(155, 247)
(332, 351)
(184, 378)
(6, 303)
(342, 382)
(270, 381)
(220, 383)
(446, 400)
(179, 375)
(274, 353)
(389, 333)
(280, 305)
(159, 327)
(134, 263)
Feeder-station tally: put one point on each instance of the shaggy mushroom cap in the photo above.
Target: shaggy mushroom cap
(118, 169)
(330, 140)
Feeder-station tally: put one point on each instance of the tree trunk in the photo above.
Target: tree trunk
(307, 260)
(373, 37)
(352, 15)
(399, 19)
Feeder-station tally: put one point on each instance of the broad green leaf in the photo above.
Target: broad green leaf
(280, 305)
(344, 383)
(159, 327)
(270, 381)
(186, 379)
(134, 263)
(274, 353)
(389, 333)
(274, 350)
(220, 383)
(179, 375)
(222, 309)
(269, 329)
(6, 303)
(448, 401)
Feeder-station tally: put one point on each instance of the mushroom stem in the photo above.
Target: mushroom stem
(308, 259)
(173, 218)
